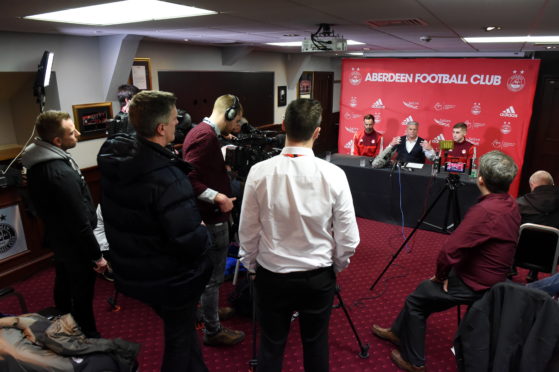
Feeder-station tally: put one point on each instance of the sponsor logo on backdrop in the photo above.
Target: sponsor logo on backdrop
(355, 76)
(509, 113)
(353, 102)
(350, 115)
(348, 144)
(407, 120)
(378, 117)
(474, 140)
(443, 106)
(8, 237)
(439, 138)
(412, 105)
(442, 122)
(474, 124)
(506, 127)
(351, 129)
(502, 144)
(378, 104)
(476, 108)
(516, 82)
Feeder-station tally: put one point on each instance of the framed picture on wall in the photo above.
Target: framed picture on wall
(282, 95)
(91, 119)
(140, 75)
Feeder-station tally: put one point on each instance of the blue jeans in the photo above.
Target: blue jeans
(217, 253)
(549, 284)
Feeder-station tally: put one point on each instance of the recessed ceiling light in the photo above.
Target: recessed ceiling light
(492, 28)
(120, 12)
(299, 43)
(513, 39)
(291, 35)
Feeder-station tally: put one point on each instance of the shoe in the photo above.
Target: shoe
(404, 364)
(225, 337)
(385, 334)
(108, 275)
(225, 313)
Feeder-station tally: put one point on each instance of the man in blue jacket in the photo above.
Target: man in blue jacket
(158, 243)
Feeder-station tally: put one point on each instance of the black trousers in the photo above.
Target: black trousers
(278, 296)
(182, 346)
(427, 298)
(73, 293)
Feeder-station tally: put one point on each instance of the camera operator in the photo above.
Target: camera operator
(212, 186)
(297, 230)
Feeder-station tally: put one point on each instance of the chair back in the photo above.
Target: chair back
(537, 248)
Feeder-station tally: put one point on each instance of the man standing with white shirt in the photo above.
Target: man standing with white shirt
(297, 230)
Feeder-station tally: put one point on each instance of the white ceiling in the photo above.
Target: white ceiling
(252, 23)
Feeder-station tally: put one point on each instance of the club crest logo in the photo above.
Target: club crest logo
(516, 82)
(355, 76)
(506, 127)
(353, 102)
(8, 237)
(476, 108)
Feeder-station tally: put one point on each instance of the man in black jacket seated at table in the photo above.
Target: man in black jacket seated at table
(62, 199)
(411, 148)
(158, 243)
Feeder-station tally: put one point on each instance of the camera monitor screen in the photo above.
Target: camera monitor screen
(457, 167)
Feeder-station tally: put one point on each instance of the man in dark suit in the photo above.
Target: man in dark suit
(411, 148)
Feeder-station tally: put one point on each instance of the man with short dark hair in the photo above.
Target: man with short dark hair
(477, 255)
(121, 124)
(297, 230)
(463, 149)
(63, 201)
(367, 141)
(158, 243)
(411, 147)
(212, 187)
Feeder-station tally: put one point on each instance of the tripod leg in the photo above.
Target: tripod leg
(364, 349)
(449, 200)
(254, 361)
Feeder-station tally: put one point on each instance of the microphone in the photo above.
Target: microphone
(382, 158)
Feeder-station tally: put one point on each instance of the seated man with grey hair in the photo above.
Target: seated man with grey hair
(476, 256)
(411, 147)
(541, 204)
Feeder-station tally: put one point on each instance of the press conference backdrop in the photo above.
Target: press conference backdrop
(492, 96)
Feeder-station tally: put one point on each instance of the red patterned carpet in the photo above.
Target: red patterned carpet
(136, 322)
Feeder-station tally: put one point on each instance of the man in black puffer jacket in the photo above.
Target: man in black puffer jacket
(158, 243)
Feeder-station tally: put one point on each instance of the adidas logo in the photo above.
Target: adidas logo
(378, 104)
(348, 144)
(509, 113)
(439, 138)
(407, 120)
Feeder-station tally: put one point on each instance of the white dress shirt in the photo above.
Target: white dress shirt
(297, 214)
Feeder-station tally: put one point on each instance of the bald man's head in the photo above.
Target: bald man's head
(540, 178)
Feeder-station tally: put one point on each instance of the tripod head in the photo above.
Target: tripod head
(453, 181)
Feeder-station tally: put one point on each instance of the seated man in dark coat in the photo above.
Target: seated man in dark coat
(476, 256)
(158, 243)
(541, 204)
(411, 148)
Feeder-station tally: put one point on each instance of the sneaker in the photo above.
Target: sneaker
(225, 313)
(225, 337)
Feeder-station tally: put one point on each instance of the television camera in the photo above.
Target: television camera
(249, 149)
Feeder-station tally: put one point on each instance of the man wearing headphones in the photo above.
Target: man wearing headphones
(211, 184)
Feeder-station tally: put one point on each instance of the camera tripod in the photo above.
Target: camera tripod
(363, 348)
(452, 183)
